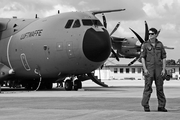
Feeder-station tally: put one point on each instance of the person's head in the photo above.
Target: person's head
(153, 33)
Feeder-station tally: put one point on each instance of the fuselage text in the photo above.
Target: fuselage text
(31, 34)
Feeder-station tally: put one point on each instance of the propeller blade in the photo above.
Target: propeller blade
(117, 58)
(146, 32)
(132, 62)
(115, 28)
(102, 66)
(139, 37)
(104, 21)
(158, 32)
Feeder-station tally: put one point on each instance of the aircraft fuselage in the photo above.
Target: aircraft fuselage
(63, 44)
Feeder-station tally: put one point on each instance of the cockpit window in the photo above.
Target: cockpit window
(76, 24)
(97, 23)
(69, 23)
(89, 22)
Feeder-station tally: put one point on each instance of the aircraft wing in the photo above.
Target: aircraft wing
(105, 11)
(166, 47)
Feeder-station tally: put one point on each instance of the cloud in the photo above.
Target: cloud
(82, 3)
(169, 26)
(161, 14)
(150, 10)
(133, 8)
(22, 9)
(28, 8)
(62, 8)
(162, 9)
(42, 7)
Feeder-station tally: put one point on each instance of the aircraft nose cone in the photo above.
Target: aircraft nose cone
(96, 45)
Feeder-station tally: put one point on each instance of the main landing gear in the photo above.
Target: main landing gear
(75, 84)
(71, 84)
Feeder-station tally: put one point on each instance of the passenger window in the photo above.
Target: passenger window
(76, 24)
(69, 23)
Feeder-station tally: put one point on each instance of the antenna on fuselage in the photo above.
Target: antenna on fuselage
(36, 16)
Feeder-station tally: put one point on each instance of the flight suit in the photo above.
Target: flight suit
(153, 56)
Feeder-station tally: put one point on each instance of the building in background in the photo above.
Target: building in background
(114, 70)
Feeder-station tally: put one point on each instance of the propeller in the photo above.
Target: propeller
(141, 40)
(146, 32)
(104, 21)
(145, 39)
(117, 58)
(116, 27)
(132, 62)
(114, 30)
(139, 37)
(158, 32)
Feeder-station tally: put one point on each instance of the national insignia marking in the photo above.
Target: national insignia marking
(149, 48)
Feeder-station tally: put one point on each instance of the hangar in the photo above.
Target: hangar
(114, 70)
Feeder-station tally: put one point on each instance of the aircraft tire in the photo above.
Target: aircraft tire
(77, 84)
(68, 85)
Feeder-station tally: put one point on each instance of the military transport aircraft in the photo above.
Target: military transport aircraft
(130, 47)
(38, 52)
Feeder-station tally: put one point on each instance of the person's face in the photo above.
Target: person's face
(152, 35)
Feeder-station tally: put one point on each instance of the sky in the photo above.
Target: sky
(161, 14)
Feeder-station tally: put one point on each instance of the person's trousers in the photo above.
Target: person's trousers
(154, 75)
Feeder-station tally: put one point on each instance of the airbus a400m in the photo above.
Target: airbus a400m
(39, 52)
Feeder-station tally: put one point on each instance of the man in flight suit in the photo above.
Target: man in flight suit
(153, 57)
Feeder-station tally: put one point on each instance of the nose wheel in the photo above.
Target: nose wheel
(70, 85)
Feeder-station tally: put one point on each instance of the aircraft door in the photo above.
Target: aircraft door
(73, 39)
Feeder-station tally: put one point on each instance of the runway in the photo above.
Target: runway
(120, 101)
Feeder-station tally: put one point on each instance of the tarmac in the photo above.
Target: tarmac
(120, 101)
